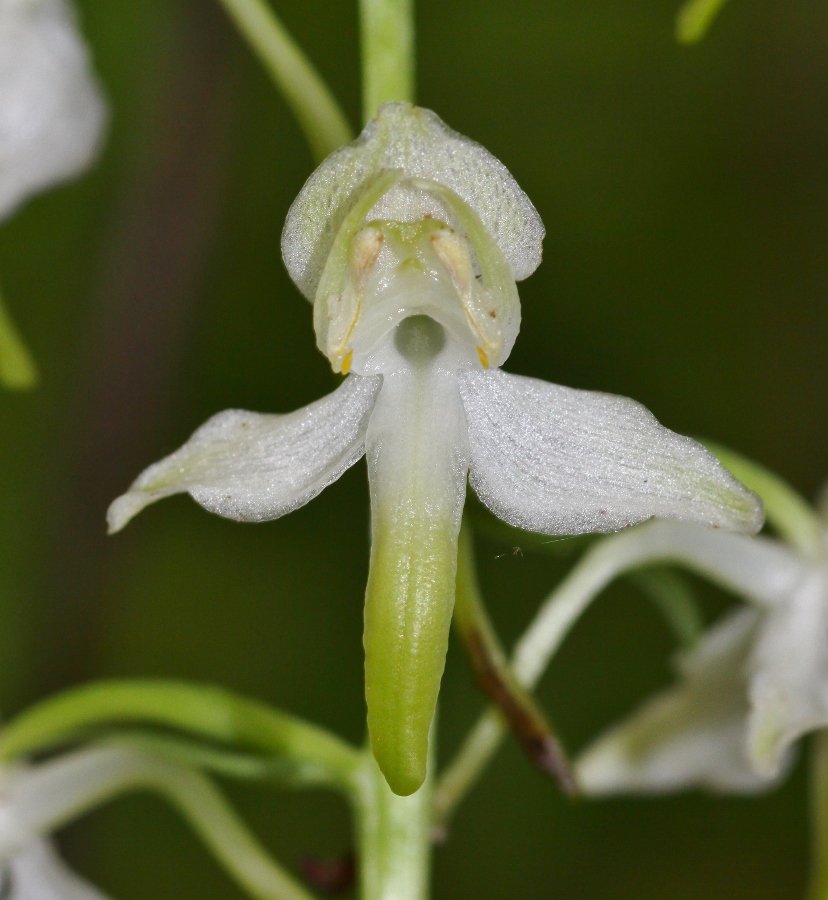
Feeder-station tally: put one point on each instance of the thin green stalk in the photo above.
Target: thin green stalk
(387, 53)
(557, 615)
(697, 548)
(318, 756)
(319, 115)
(468, 765)
(394, 835)
(55, 793)
(495, 676)
(208, 757)
(818, 888)
(17, 367)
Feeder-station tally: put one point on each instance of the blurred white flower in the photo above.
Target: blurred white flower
(38, 873)
(52, 113)
(757, 682)
(29, 867)
(409, 242)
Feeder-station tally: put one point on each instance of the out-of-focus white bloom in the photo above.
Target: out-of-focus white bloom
(757, 682)
(38, 873)
(52, 112)
(29, 867)
(38, 799)
(692, 735)
(409, 243)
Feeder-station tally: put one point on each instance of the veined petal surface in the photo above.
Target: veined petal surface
(557, 460)
(417, 463)
(692, 735)
(253, 467)
(417, 142)
(52, 113)
(38, 873)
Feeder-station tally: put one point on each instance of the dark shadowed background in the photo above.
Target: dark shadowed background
(685, 196)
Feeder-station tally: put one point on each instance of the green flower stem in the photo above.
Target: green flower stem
(557, 615)
(495, 676)
(654, 542)
(387, 53)
(468, 765)
(789, 513)
(694, 18)
(394, 835)
(818, 889)
(208, 757)
(57, 792)
(318, 756)
(312, 102)
(17, 368)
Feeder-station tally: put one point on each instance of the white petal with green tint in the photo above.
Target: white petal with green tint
(789, 672)
(52, 114)
(556, 460)
(38, 873)
(417, 462)
(692, 735)
(253, 467)
(417, 142)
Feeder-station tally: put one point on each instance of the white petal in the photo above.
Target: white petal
(418, 142)
(556, 460)
(692, 735)
(253, 467)
(38, 873)
(789, 683)
(760, 570)
(417, 458)
(52, 113)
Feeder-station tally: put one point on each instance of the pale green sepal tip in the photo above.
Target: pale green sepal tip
(125, 508)
(744, 508)
(695, 18)
(789, 513)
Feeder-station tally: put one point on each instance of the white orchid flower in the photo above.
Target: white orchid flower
(38, 873)
(30, 869)
(52, 113)
(691, 736)
(52, 117)
(35, 800)
(756, 683)
(409, 243)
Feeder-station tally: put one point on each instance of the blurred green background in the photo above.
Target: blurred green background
(685, 195)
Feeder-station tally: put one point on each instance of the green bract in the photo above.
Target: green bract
(409, 242)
